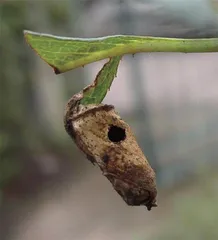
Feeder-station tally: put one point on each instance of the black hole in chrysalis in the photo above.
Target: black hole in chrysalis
(116, 134)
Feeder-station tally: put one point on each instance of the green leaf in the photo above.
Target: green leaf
(64, 54)
(95, 93)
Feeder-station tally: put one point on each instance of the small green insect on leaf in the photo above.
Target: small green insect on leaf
(95, 93)
(64, 54)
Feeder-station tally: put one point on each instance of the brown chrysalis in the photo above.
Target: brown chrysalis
(109, 142)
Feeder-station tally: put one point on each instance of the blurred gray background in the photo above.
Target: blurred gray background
(48, 189)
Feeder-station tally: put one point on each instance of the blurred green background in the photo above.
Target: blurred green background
(48, 189)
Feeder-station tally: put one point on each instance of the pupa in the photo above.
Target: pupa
(108, 141)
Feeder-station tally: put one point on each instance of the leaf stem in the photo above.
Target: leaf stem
(64, 54)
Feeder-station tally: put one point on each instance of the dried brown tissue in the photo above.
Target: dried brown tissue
(108, 142)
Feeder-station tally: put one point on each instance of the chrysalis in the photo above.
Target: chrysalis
(109, 142)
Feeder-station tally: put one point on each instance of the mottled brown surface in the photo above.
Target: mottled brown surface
(123, 162)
